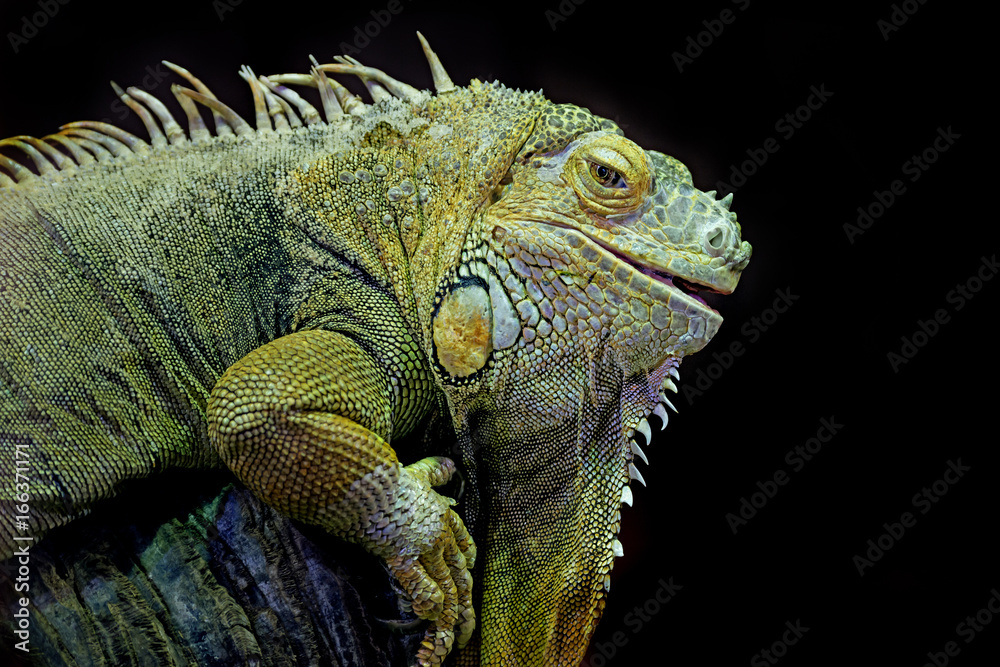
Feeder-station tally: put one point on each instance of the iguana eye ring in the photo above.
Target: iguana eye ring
(606, 176)
(609, 173)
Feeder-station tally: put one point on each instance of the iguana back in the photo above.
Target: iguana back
(130, 288)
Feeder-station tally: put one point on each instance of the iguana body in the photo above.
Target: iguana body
(290, 300)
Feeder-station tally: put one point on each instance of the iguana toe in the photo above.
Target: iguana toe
(438, 580)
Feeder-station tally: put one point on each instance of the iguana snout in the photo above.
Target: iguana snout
(703, 249)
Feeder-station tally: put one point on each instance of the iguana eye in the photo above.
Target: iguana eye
(606, 176)
(610, 174)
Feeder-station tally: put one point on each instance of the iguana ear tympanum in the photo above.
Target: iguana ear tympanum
(287, 300)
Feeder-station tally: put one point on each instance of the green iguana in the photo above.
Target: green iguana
(286, 300)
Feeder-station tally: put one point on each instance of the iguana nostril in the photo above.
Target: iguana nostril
(716, 238)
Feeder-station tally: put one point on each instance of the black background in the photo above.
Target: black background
(825, 357)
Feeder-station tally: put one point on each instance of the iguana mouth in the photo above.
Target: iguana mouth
(686, 286)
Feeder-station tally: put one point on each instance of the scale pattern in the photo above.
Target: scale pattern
(287, 299)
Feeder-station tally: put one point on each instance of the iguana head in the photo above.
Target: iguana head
(566, 317)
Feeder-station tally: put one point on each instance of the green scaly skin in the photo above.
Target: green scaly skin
(288, 301)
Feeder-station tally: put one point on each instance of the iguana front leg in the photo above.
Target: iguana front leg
(304, 422)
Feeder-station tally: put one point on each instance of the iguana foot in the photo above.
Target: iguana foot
(433, 556)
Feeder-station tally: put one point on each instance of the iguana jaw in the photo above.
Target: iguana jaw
(664, 285)
(686, 286)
